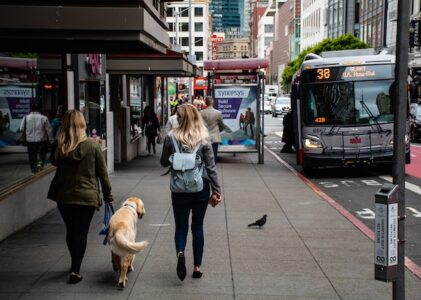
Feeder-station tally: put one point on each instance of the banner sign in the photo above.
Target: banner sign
(15, 103)
(238, 107)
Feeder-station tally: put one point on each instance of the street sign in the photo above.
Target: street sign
(386, 233)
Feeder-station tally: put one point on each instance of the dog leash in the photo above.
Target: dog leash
(109, 211)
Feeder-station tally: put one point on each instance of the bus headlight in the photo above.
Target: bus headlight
(310, 143)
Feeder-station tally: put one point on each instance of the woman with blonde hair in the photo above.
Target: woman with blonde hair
(190, 134)
(80, 163)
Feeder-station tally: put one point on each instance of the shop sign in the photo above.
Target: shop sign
(215, 39)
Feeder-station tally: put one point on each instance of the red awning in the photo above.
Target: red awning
(236, 64)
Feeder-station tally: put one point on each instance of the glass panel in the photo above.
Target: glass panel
(198, 11)
(20, 87)
(347, 103)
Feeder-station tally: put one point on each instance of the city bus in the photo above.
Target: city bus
(343, 111)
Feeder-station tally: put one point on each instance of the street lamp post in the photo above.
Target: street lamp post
(400, 116)
(190, 51)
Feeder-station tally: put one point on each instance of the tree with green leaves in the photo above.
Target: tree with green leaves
(344, 42)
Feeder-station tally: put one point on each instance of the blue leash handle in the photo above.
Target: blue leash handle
(109, 211)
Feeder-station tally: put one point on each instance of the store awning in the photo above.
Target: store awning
(171, 64)
(71, 26)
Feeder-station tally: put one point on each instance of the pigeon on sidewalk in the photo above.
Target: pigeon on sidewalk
(260, 222)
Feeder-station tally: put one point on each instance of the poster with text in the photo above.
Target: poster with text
(238, 107)
(15, 103)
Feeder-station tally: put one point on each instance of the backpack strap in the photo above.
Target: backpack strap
(177, 149)
(197, 148)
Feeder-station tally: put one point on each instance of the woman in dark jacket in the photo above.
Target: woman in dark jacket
(190, 133)
(80, 163)
(150, 125)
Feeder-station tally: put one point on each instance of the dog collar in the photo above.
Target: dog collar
(131, 206)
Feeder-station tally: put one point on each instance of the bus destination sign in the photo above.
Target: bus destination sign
(348, 73)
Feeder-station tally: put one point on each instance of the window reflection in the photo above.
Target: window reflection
(21, 85)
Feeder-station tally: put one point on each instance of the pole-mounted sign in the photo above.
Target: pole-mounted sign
(386, 233)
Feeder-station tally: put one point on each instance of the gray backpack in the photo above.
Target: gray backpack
(186, 170)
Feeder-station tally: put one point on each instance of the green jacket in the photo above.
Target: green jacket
(76, 178)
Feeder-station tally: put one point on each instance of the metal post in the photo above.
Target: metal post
(400, 115)
(190, 51)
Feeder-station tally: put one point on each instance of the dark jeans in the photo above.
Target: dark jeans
(37, 152)
(150, 140)
(77, 219)
(246, 124)
(182, 204)
(215, 151)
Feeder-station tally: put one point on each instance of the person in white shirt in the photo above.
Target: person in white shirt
(38, 136)
(172, 122)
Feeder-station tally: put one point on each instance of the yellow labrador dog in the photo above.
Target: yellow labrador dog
(122, 236)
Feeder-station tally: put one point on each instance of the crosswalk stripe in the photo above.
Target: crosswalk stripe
(410, 186)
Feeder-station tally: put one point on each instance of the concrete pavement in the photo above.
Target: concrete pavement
(307, 250)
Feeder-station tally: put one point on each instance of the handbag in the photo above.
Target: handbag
(22, 139)
(159, 138)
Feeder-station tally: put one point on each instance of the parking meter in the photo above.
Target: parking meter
(386, 233)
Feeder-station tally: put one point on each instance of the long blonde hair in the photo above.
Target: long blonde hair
(191, 130)
(72, 133)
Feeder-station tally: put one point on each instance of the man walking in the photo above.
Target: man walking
(249, 120)
(38, 135)
(213, 121)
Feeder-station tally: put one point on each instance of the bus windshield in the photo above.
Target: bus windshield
(347, 103)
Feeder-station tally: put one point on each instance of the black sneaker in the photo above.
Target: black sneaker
(181, 266)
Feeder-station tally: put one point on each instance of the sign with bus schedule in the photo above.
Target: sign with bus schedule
(348, 73)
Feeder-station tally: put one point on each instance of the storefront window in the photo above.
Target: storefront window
(22, 85)
(92, 105)
(135, 86)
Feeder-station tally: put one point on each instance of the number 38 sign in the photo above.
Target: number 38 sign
(386, 233)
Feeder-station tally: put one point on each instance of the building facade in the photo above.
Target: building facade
(286, 40)
(258, 11)
(313, 22)
(265, 30)
(178, 23)
(110, 91)
(343, 17)
(236, 48)
(373, 14)
(226, 14)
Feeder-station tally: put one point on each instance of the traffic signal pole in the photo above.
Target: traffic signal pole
(400, 114)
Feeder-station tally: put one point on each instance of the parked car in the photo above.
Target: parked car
(415, 113)
(281, 106)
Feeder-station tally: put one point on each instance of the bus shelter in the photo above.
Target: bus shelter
(237, 86)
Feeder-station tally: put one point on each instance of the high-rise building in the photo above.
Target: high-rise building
(226, 14)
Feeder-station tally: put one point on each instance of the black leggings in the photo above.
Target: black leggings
(77, 219)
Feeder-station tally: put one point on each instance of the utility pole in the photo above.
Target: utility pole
(190, 51)
(400, 117)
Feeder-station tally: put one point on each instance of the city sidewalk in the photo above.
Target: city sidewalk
(307, 250)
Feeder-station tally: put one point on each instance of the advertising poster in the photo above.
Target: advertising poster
(15, 103)
(238, 106)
